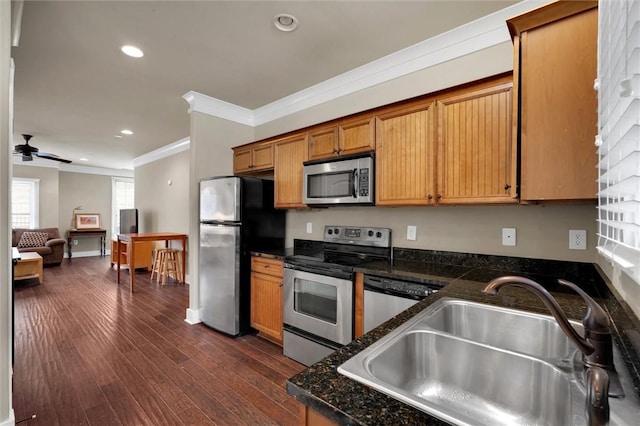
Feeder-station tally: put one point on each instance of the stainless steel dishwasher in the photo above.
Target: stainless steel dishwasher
(384, 298)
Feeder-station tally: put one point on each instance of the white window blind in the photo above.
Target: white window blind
(619, 133)
(24, 203)
(123, 198)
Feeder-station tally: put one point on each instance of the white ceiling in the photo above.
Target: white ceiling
(75, 90)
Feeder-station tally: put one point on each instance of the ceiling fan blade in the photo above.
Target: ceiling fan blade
(51, 157)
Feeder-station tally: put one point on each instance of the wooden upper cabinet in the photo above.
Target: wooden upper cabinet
(555, 58)
(476, 145)
(347, 138)
(323, 143)
(405, 155)
(290, 153)
(253, 158)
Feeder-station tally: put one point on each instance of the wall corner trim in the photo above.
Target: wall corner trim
(193, 316)
(219, 108)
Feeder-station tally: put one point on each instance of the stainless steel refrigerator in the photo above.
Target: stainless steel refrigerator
(236, 217)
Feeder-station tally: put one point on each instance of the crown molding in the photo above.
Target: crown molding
(73, 168)
(480, 34)
(218, 108)
(163, 152)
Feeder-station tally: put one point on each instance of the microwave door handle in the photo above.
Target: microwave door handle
(354, 192)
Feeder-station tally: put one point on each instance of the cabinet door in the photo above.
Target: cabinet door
(242, 160)
(357, 136)
(266, 305)
(290, 153)
(404, 156)
(262, 157)
(476, 147)
(559, 107)
(323, 143)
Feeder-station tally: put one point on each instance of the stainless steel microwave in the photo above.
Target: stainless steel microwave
(345, 180)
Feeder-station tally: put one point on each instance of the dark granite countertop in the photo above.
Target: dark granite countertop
(270, 253)
(346, 401)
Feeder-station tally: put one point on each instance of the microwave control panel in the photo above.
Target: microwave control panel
(363, 183)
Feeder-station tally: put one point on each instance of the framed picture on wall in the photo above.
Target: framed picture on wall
(87, 220)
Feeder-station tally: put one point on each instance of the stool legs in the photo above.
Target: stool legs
(167, 264)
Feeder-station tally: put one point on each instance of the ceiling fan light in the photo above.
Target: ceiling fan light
(132, 51)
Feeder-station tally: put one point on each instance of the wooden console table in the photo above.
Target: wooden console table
(86, 233)
(131, 239)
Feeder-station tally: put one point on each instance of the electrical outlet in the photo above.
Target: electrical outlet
(508, 236)
(309, 228)
(75, 242)
(412, 231)
(577, 239)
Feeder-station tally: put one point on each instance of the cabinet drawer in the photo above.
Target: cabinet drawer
(266, 265)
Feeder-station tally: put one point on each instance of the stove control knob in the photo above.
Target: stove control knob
(379, 234)
(370, 233)
(330, 231)
(336, 231)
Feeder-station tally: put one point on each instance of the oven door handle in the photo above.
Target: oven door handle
(328, 272)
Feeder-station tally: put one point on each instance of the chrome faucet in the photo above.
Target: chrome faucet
(596, 346)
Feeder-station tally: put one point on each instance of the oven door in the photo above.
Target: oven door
(319, 304)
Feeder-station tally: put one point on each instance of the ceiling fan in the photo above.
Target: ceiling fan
(28, 151)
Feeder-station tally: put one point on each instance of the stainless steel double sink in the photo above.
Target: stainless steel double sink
(474, 364)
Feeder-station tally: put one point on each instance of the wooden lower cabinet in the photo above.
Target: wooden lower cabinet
(144, 252)
(309, 417)
(266, 297)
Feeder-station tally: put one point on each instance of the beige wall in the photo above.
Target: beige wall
(48, 190)
(210, 155)
(541, 232)
(163, 206)
(93, 193)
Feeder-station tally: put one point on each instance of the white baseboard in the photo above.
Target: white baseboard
(91, 253)
(9, 421)
(193, 316)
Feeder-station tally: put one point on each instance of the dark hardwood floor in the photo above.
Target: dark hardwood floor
(89, 352)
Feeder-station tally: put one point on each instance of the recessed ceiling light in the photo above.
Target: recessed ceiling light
(84, 159)
(117, 136)
(126, 132)
(132, 51)
(285, 22)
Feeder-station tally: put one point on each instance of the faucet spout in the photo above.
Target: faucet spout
(514, 281)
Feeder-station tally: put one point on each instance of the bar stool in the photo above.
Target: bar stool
(158, 255)
(170, 265)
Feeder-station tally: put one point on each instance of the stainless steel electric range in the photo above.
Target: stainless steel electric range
(319, 290)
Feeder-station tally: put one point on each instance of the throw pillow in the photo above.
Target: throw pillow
(33, 239)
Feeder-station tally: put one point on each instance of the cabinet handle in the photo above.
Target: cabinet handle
(439, 196)
(266, 266)
(507, 187)
(429, 197)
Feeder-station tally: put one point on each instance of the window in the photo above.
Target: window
(123, 191)
(619, 134)
(24, 203)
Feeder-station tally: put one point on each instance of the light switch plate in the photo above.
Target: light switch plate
(508, 236)
(309, 228)
(412, 231)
